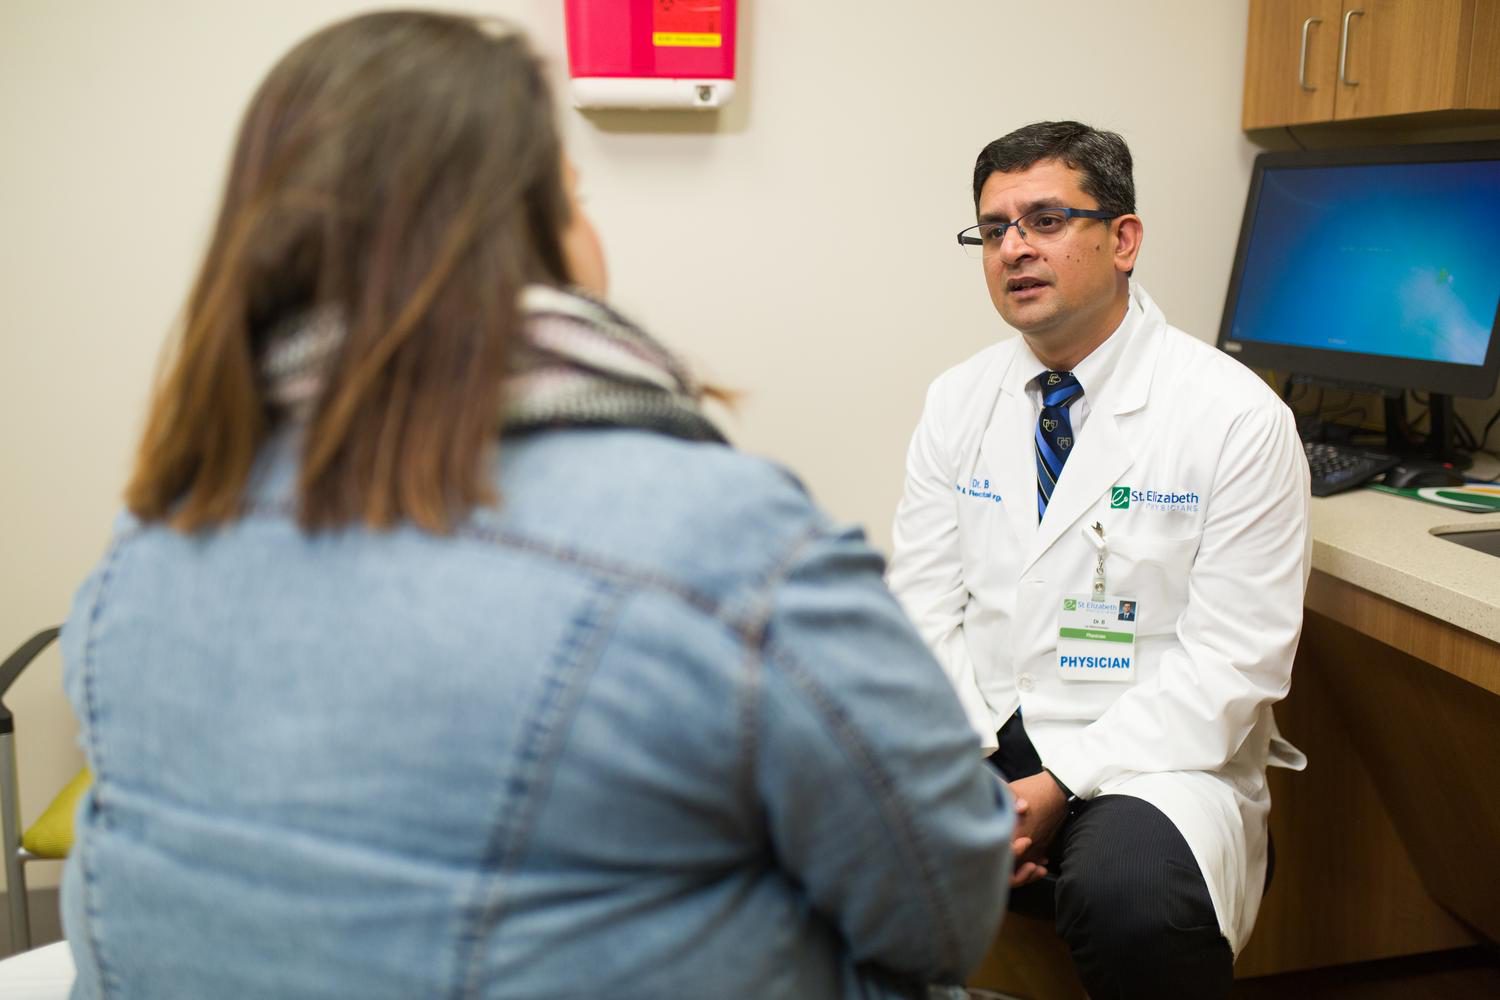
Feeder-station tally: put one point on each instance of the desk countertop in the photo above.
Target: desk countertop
(1385, 544)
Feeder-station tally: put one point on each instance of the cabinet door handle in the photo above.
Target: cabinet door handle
(1344, 49)
(1302, 59)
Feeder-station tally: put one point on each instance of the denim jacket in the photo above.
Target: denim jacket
(651, 727)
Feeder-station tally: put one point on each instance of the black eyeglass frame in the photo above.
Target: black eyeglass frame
(964, 240)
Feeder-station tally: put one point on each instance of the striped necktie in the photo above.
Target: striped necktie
(1054, 433)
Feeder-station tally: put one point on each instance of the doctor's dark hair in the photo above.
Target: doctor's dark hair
(402, 170)
(1101, 157)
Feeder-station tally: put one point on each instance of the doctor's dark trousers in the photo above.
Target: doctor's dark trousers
(1130, 901)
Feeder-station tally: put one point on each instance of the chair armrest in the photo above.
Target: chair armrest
(17, 662)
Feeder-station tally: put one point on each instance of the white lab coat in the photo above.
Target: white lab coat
(1219, 583)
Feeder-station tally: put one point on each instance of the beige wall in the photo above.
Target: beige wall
(799, 247)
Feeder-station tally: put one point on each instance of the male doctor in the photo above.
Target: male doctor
(1106, 457)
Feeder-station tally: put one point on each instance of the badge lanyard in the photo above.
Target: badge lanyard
(1095, 535)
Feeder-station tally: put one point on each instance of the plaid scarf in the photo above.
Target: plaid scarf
(578, 363)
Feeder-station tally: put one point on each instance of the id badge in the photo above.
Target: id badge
(1096, 638)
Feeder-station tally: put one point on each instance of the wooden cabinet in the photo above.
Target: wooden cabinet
(1335, 60)
(1291, 62)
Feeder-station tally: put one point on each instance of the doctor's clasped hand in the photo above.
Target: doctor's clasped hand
(1041, 808)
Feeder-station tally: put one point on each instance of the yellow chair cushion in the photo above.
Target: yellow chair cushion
(51, 836)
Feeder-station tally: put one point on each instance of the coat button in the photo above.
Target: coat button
(1024, 682)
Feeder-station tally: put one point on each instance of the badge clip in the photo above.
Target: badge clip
(1095, 534)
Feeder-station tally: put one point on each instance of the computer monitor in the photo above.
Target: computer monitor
(1372, 267)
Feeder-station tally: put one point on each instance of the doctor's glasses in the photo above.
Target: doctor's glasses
(1038, 229)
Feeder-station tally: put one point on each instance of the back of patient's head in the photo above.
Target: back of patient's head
(402, 172)
(1102, 159)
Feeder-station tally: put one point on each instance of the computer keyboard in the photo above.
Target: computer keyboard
(1338, 467)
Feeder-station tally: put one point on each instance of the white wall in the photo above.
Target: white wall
(798, 247)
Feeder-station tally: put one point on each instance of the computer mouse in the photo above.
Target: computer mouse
(1415, 476)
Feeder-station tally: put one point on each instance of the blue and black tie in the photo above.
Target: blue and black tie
(1054, 433)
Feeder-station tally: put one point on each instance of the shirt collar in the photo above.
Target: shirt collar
(1093, 372)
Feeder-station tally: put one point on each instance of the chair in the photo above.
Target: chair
(51, 836)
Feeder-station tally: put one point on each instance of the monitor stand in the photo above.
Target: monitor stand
(1438, 447)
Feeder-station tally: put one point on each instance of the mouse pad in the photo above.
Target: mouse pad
(1476, 498)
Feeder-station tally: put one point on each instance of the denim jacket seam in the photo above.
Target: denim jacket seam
(620, 572)
(882, 787)
(753, 634)
(695, 598)
(107, 984)
(861, 757)
(747, 723)
(524, 783)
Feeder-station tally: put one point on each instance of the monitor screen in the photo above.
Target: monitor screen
(1379, 267)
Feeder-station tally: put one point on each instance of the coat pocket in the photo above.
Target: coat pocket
(1154, 570)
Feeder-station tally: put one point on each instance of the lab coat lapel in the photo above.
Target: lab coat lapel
(1099, 459)
(1008, 440)
(1007, 445)
(1103, 453)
